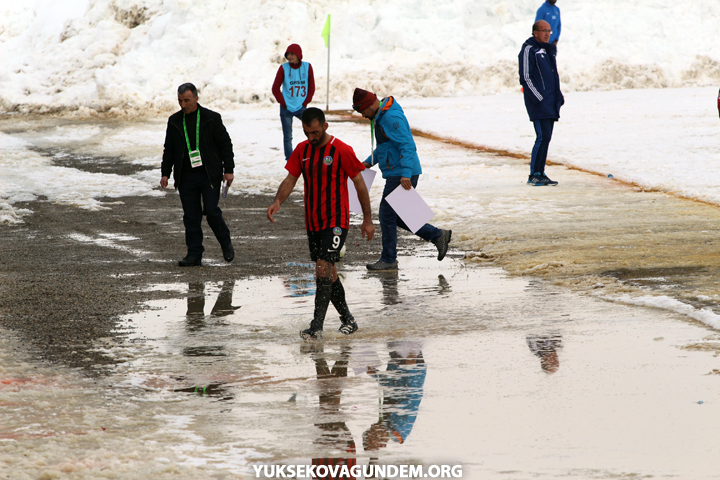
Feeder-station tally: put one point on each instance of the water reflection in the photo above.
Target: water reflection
(210, 351)
(300, 286)
(333, 435)
(401, 386)
(545, 346)
(444, 287)
(390, 282)
(196, 304)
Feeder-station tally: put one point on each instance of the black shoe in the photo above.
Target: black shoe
(228, 253)
(311, 334)
(380, 265)
(348, 328)
(538, 180)
(190, 261)
(551, 183)
(443, 242)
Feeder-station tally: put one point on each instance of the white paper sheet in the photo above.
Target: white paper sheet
(369, 176)
(410, 207)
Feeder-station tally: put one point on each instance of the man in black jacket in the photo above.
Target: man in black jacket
(198, 151)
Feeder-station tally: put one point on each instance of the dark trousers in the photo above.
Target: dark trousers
(286, 118)
(389, 221)
(543, 134)
(199, 198)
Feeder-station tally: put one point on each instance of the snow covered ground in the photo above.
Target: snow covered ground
(665, 139)
(452, 65)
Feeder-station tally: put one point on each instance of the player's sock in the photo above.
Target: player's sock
(323, 292)
(338, 301)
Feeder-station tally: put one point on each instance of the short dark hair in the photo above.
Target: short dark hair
(187, 86)
(312, 114)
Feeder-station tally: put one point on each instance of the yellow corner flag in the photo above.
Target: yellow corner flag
(326, 31)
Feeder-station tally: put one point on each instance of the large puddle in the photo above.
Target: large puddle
(508, 378)
(454, 363)
(589, 233)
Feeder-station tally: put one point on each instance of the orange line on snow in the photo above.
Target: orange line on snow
(347, 116)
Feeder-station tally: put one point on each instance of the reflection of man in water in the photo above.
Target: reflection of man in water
(390, 293)
(196, 304)
(545, 347)
(389, 282)
(334, 434)
(301, 286)
(402, 390)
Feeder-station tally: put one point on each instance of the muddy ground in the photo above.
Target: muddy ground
(60, 294)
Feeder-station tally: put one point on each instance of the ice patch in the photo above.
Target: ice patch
(108, 243)
(26, 175)
(704, 315)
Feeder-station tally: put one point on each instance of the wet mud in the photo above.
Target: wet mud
(112, 349)
(66, 279)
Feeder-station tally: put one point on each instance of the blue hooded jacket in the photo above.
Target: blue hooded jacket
(540, 80)
(551, 14)
(395, 152)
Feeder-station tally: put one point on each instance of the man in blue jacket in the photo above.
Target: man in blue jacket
(543, 98)
(399, 163)
(551, 14)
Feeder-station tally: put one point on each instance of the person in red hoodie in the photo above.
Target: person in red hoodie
(298, 87)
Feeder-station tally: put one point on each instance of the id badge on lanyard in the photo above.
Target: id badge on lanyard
(195, 159)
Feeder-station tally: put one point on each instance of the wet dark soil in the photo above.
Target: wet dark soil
(63, 285)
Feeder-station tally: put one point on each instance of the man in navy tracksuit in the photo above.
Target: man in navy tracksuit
(543, 98)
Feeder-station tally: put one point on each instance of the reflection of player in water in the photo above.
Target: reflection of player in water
(546, 347)
(334, 435)
(402, 390)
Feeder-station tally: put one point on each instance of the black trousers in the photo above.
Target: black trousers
(199, 198)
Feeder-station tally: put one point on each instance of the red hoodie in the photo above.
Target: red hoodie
(280, 76)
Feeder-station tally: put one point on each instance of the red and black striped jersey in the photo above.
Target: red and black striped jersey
(325, 171)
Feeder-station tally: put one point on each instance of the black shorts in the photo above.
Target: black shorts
(326, 244)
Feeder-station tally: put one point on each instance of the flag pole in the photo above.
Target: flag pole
(326, 37)
(327, 97)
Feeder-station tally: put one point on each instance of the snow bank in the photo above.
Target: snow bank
(128, 56)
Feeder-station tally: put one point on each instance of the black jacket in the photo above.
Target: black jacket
(215, 147)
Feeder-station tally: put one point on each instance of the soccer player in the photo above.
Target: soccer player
(325, 164)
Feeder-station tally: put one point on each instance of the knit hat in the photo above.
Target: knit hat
(362, 100)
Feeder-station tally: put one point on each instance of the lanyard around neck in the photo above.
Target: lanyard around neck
(197, 133)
